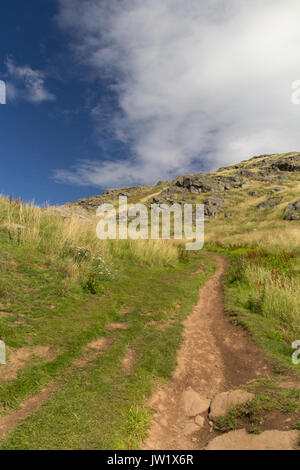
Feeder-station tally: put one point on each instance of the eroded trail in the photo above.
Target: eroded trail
(215, 356)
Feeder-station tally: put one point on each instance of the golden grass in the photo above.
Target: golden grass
(60, 238)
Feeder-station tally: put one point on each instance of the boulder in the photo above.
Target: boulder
(288, 164)
(213, 205)
(255, 193)
(225, 401)
(193, 403)
(267, 440)
(270, 203)
(200, 421)
(292, 211)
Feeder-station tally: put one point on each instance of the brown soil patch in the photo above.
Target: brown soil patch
(118, 326)
(199, 271)
(92, 350)
(124, 311)
(129, 359)
(215, 356)
(163, 326)
(289, 384)
(5, 314)
(100, 344)
(8, 422)
(19, 359)
(273, 419)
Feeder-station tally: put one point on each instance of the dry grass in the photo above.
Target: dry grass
(74, 241)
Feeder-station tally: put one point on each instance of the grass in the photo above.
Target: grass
(254, 414)
(262, 293)
(262, 289)
(55, 291)
(60, 286)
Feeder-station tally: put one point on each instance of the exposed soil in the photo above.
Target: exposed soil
(129, 359)
(8, 422)
(118, 326)
(18, 359)
(92, 350)
(32, 404)
(215, 356)
(124, 311)
(161, 326)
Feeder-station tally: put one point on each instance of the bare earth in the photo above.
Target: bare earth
(215, 357)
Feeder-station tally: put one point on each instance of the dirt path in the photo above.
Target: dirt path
(10, 421)
(215, 356)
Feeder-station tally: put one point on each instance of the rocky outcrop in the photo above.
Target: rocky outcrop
(205, 183)
(288, 164)
(292, 211)
(269, 203)
(213, 205)
(73, 211)
(184, 189)
(193, 403)
(223, 402)
(93, 202)
(267, 440)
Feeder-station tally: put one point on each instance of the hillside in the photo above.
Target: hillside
(244, 201)
(93, 328)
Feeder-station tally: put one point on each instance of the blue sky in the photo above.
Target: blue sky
(107, 93)
(39, 137)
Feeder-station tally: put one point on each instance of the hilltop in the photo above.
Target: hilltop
(264, 188)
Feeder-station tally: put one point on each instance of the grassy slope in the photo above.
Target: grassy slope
(262, 293)
(262, 286)
(98, 405)
(264, 282)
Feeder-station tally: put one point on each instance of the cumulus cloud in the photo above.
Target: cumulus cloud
(26, 83)
(199, 84)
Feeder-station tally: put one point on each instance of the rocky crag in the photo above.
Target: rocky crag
(271, 179)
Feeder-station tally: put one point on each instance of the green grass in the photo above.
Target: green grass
(262, 294)
(262, 288)
(253, 413)
(99, 405)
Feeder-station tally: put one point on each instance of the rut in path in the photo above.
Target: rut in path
(215, 356)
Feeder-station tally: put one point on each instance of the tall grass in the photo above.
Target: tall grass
(73, 239)
(268, 286)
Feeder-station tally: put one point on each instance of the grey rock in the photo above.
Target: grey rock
(288, 164)
(292, 211)
(267, 440)
(200, 421)
(193, 403)
(255, 193)
(213, 205)
(225, 401)
(269, 203)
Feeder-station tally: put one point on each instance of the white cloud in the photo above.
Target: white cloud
(27, 84)
(198, 83)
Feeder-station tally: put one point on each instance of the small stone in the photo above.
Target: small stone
(292, 211)
(193, 403)
(190, 428)
(199, 420)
